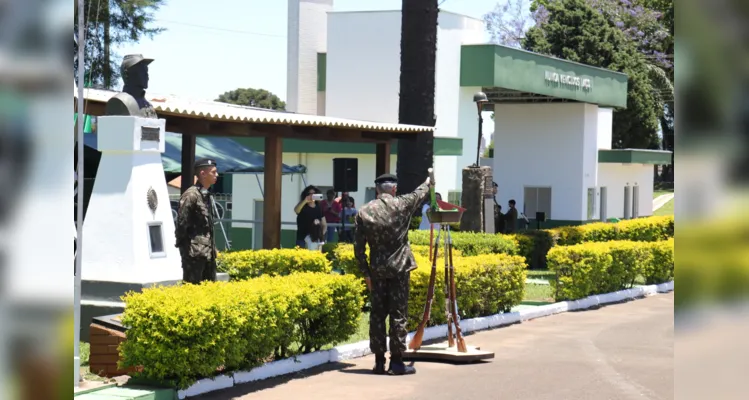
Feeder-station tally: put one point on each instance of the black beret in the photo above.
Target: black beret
(204, 162)
(495, 184)
(386, 178)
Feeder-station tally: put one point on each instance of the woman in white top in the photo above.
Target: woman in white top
(424, 225)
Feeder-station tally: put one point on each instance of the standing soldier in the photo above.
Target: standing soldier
(383, 224)
(194, 232)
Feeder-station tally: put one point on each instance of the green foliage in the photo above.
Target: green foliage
(577, 32)
(416, 221)
(246, 264)
(110, 24)
(179, 334)
(259, 98)
(535, 244)
(485, 285)
(470, 243)
(595, 268)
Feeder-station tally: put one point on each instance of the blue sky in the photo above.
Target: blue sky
(220, 45)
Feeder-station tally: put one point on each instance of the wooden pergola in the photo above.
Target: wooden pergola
(203, 118)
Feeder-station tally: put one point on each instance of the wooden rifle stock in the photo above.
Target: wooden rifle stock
(453, 298)
(448, 298)
(415, 343)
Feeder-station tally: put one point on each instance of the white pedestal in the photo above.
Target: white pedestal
(124, 239)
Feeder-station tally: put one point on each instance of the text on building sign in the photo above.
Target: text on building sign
(568, 80)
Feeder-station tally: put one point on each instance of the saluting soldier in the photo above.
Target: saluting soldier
(194, 230)
(383, 224)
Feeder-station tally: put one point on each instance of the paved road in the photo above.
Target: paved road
(622, 351)
(661, 200)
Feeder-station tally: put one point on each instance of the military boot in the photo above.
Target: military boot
(379, 368)
(397, 367)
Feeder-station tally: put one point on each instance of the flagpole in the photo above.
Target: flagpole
(79, 194)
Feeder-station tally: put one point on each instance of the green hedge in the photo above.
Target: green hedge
(603, 267)
(535, 244)
(470, 243)
(246, 264)
(180, 334)
(485, 284)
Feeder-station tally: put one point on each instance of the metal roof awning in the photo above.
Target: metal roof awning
(223, 112)
(230, 156)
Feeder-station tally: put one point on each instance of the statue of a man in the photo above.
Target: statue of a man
(132, 100)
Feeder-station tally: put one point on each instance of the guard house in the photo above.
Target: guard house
(552, 118)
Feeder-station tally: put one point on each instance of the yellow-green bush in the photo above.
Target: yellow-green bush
(470, 243)
(246, 264)
(713, 262)
(535, 244)
(343, 258)
(179, 334)
(649, 229)
(602, 267)
(485, 285)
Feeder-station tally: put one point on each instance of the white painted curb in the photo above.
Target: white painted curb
(361, 349)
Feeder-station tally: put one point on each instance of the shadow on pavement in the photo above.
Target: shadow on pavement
(270, 383)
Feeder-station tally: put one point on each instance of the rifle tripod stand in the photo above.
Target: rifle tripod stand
(455, 349)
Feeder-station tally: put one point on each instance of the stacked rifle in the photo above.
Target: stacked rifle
(437, 215)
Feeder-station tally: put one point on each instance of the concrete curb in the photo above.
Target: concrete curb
(361, 349)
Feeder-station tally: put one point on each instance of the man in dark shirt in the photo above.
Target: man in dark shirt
(383, 225)
(309, 215)
(511, 218)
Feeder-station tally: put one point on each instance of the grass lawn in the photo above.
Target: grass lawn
(667, 209)
(658, 193)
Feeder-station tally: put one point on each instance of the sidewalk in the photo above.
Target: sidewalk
(617, 352)
(661, 200)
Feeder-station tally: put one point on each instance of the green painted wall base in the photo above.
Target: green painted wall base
(127, 393)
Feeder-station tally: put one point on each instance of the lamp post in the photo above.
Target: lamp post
(480, 99)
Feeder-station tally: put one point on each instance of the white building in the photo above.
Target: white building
(553, 118)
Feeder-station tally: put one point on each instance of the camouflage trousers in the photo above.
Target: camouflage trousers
(196, 270)
(389, 296)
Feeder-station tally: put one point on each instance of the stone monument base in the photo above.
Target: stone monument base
(472, 199)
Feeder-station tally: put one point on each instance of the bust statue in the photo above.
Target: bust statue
(132, 100)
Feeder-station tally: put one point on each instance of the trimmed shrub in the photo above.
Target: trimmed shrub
(343, 258)
(246, 264)
(470, 243)
(649, 229)
(179, 334)
(416, 221)
(485, 285)
(602, 267)
(534, 245)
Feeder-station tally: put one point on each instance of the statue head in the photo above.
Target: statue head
(134, 71)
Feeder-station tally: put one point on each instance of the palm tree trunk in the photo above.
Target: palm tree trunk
(416, 107)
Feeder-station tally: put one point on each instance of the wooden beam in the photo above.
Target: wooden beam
(382, 159)
(188, 159)
(272, 192)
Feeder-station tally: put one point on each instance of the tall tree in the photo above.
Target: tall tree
(110, 23)
(260, 98)
(417, 75)
(577, 32)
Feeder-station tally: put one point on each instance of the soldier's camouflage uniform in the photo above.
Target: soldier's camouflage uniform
(195, 238)
(383, 224)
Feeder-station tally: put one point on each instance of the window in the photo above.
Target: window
(537, 199)
(592, 203)
(155, 240)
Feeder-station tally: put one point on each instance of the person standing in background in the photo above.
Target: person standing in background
(348, 214)
(424, 224)
(331, 208)
(309, 213)
(194, 231)
(511, 218)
